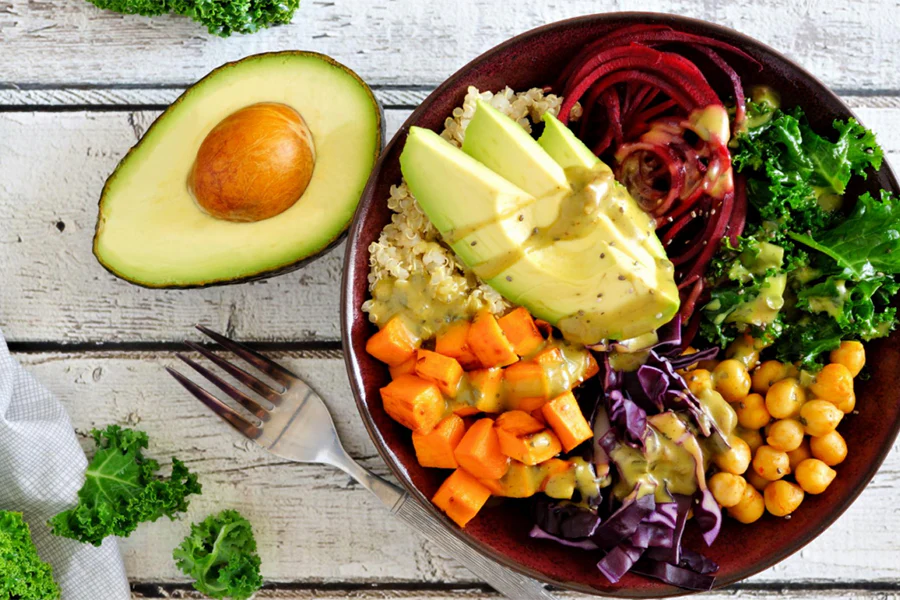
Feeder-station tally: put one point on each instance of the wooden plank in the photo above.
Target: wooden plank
(53, 289)
(315, 527)
(145, 592)
(849, 45)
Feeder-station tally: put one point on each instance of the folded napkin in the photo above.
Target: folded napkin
(41, 470)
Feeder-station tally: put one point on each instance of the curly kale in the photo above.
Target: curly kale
(122, 489)
(221, 17)
(839, 271)
(220, 554)
(23, 576)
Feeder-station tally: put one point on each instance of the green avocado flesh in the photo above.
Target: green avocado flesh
(150, 230)
(546, 225)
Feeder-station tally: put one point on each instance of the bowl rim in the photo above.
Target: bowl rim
(349, 312)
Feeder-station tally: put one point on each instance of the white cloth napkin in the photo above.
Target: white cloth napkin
(41, 470)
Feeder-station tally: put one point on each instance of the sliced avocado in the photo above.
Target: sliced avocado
(500, 144)
(152, 230)
(561, 144)
(440, 175)
(596, 269)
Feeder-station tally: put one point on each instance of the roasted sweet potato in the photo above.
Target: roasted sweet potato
(566, 419)
(479, 451)
(487, 387)
(520, 330)
(530, 449)
(452, 342)
(518, 423)
(394, 343)
(435, 448)
(442, 370)
(461, 496)
(486, 340)
(413, 402)
(407, 367)
(558, 481)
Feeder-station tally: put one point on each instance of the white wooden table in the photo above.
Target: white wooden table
(79, 86)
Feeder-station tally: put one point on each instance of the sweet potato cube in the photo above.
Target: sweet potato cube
(520, 330)
(486, 340)
(442, 370)
(452, 342)
(592, 367)
(435, 448)
(495, 486)
(520, 481)
(530, 449)
(487, 387)
(538, 414)
(462, 409)
(527, 385)
(559, 481)
(394, 343)
(549, 357)
(479, 451)
(567, 421)
(461, 496)
(407, 367)
(413, 402)
(518, 423)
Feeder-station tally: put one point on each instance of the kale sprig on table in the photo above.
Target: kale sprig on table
(221, 17)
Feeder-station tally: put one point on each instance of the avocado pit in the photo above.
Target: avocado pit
(254, 164)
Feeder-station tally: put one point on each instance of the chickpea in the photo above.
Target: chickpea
(745, 350)
(833, 383)
(851, 354)
(726, 488)
(814, 476)
(736, 459)
(752, 412)
(732, 380)
(770, 463)
(799, 455)
(698, 380)
(830, 448)
(750, 508)
(820, 417)
(766, 375)
(782, 497)
(756, 481)
(847, 405)
(753, 438)
(786, 435)
(784, 398)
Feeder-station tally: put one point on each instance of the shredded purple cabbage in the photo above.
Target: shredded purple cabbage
(638, 534)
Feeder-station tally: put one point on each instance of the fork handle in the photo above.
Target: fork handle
(507, 582)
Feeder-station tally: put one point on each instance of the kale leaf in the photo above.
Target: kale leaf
(221, 17)
(23, 576)
(842, 269)
(122, 489)
(220, 554)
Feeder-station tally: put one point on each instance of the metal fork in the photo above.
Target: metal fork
(293, 422)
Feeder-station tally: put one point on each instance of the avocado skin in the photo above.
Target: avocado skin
(275, 271)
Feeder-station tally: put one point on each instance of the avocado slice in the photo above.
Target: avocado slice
(560, 143)
(151, 228)
(596, 269)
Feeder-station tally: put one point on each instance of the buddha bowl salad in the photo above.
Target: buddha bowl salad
(696, 258)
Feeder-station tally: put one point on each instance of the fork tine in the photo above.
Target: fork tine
(238, 373)
(246, 401)
(270, 368)
(231, 416)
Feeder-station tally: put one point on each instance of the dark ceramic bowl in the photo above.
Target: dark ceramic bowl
(534, 59)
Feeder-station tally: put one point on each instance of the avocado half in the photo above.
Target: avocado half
(151, 231)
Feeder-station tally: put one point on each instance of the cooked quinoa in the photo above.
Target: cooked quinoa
(410, 248)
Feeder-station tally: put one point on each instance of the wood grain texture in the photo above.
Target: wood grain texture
(850, 45)
(54, 290)
(316, 527)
